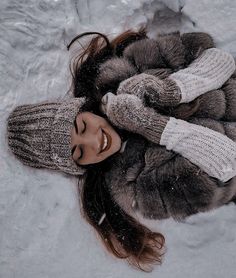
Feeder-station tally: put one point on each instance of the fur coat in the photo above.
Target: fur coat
(147, 177)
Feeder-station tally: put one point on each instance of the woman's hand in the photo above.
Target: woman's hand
(151, 89)
(123, 110)
(128, 112)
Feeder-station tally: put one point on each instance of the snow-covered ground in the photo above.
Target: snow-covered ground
(42, 233)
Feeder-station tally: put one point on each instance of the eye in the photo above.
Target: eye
(84, 127)
(81, 155)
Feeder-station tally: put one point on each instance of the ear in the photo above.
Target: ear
(112, 72)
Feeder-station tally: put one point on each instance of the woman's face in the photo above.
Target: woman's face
(93, 139)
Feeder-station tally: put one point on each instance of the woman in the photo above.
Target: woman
(134, 173)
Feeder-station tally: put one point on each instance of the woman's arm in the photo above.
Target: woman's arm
(208, 72)
(213, 152)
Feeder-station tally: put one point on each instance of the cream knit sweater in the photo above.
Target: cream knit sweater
(208, 72)
(213, 152)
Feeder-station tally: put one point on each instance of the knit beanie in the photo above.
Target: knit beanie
(40, 134)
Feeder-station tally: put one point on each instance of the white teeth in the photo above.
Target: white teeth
(105, 140)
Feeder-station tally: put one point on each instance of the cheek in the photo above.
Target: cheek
(99, 121)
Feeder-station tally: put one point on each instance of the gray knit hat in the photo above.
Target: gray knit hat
(40, 134)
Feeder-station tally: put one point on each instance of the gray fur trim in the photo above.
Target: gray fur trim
(144, 54)
(229, 89)
(211, 105)
(172, 50)
(113, 71)
(230, 129)
(195, 43)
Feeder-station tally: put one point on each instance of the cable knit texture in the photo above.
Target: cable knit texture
(213, 152)
(208, 72)
(40, 134)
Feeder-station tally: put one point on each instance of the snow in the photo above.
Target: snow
(42, 232)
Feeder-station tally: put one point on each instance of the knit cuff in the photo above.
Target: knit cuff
(213, 152)
(170, 93)
(155, 127)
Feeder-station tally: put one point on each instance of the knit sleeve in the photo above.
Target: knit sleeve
(213, 152)
(208, 72)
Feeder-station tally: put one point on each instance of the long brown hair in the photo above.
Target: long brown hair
(121, 234)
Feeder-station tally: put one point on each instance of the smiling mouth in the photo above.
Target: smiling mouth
(106, 141)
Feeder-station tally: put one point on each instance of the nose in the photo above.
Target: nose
(91, 141)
